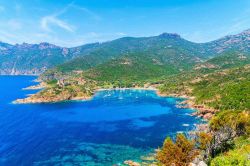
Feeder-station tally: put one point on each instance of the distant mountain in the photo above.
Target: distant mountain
(34, 59)
(239, 42)
(164, 50)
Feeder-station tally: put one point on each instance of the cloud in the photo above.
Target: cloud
(85, 10)
(120, 34)
(53, 19)
(238, 24)
(47, 21)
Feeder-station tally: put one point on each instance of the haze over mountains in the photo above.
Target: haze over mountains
(164, 53)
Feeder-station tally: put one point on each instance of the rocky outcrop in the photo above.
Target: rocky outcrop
(36, 87)
(47, 99)
(131, 163)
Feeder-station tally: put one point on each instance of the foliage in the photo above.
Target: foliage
(129, 69)
(238, 156)
(224, 90)
(228, 89)
(237, 120)
(203, 140)
(180, 153)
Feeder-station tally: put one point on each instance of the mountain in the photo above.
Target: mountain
(33, 59)
(163, 49)
(239, 42)
(167, 49)
(225, 60)
(148, 58)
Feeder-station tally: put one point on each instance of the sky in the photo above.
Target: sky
(71, 23)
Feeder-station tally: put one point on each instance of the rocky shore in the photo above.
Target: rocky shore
(41, 85)
(42, 99)
(202, 110)
(64, 96)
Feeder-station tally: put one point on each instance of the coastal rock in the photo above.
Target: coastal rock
(36, 87)
(202, 127)
(208, 116)
(43, 99)
(131, 163)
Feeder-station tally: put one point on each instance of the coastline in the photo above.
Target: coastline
(135, 88)
(201, 110)
(41, 85)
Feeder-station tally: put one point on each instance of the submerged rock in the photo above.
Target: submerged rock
(131, 163)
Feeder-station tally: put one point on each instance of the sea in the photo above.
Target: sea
(112, 127)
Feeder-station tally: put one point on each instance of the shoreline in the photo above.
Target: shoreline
(136, 88)
(40, 86)
(201, 111)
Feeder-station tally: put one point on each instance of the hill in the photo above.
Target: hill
(34, 59)
(164, 49)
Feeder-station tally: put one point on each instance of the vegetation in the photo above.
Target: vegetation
(131, 69)
(239, 155)
(223, 90)
(227, 143)
(226, 90)
(180, 153)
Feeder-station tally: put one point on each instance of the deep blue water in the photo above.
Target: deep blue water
(114, 126)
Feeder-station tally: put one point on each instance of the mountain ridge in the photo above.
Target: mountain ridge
(34, 59)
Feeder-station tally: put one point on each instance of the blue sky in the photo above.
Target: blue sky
(75, 22)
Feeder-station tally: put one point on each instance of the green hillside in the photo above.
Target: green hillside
(222, 89)
(165, 49)
(130, 68)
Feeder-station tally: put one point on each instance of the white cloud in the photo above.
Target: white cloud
(120, 34)
(83, 9)
(48, 20)
(238, 24)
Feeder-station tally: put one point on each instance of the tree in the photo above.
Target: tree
(180, 153)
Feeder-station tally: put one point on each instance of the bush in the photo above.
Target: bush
(239, 121)
(235, 157)
(180, 153)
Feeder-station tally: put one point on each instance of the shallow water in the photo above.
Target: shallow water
(114, 126)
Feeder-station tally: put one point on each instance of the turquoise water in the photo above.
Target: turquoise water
(114, 126)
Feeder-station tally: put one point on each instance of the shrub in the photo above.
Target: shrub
(180, 153)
